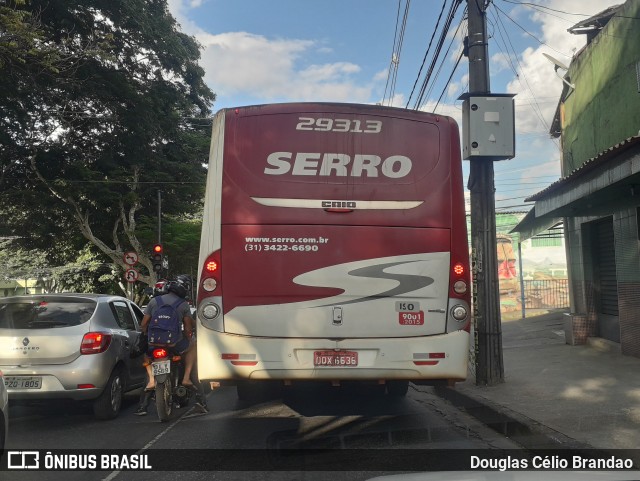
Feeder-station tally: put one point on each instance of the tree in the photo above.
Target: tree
(87, 271)
(103, 105)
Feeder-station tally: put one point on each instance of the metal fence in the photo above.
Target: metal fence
(546, 293)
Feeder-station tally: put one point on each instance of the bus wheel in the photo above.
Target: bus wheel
(397, 388)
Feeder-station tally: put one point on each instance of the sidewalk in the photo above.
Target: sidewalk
(557, 395)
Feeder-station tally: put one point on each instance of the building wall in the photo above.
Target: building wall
(580, 264)
(604, 108)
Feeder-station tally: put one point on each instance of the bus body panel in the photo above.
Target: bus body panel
(291, 358)
(267, 158)
(378, 281)
(333, 228)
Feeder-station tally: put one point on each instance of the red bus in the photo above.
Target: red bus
(334, 247)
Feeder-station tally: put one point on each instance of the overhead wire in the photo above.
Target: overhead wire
(392, 74)
(444, 59)
(508, 53)
(426, 54)
(443, 35)
(393, 51)
(448, 81)
(537, 109)
(534, 5)
(529, 33)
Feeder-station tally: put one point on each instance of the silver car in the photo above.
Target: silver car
(72, 346)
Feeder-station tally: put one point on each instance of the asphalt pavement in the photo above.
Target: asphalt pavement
(557, 395)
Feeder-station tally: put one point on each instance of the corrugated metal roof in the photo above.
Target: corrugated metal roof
(596, 22)
(588, 166)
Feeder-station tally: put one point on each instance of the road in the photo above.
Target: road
(353, 420)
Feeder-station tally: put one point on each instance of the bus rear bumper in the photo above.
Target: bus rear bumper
(232, 357)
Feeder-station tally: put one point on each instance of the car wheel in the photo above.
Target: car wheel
(107, 406)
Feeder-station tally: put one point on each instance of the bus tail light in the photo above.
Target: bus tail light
(210, 311)
(460, 287)
(210, 276)
(459, 313)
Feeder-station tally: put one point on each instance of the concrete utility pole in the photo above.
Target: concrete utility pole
(489, 363)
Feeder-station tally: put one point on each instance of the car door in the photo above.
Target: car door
(127, 322)
(137, 319)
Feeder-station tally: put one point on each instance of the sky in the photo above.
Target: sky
(265, 51)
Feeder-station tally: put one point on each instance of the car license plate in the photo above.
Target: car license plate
(335, 358)
(23, 382)
(161, 367)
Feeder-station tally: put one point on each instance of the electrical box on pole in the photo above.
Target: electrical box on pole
(488, 126)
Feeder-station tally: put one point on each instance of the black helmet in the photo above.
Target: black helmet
(180, 286)
(185, 280)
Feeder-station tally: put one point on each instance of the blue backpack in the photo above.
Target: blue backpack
(165, 327)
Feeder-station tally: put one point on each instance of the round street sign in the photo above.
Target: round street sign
(131, 275)
(130, 258)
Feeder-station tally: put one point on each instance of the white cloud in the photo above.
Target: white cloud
(499, 62)
(381, 76)
(320, 73)
(242, 64)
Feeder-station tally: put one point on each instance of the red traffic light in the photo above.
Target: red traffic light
(157, 249)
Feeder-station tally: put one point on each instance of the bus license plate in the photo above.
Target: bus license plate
(161, 367)
(19, 382)
(335, 358)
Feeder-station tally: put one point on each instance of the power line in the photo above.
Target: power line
(507, 52)
(443, 35)
(449, 80)
(444, 59)
(426, 54)
(529, 33)
(398, 40)
(537, 110)
(176, 182)
(536, 5)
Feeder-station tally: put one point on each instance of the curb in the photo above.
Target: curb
(530, 434)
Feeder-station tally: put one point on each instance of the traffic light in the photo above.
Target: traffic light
(156, 257)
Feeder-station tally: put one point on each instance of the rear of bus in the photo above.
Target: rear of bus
(334, 246)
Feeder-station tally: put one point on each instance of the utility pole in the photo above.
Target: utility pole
(486, 292)
(159, 217)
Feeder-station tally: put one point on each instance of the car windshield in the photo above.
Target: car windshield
(44, 313)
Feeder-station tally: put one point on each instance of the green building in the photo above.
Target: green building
(598, 197)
